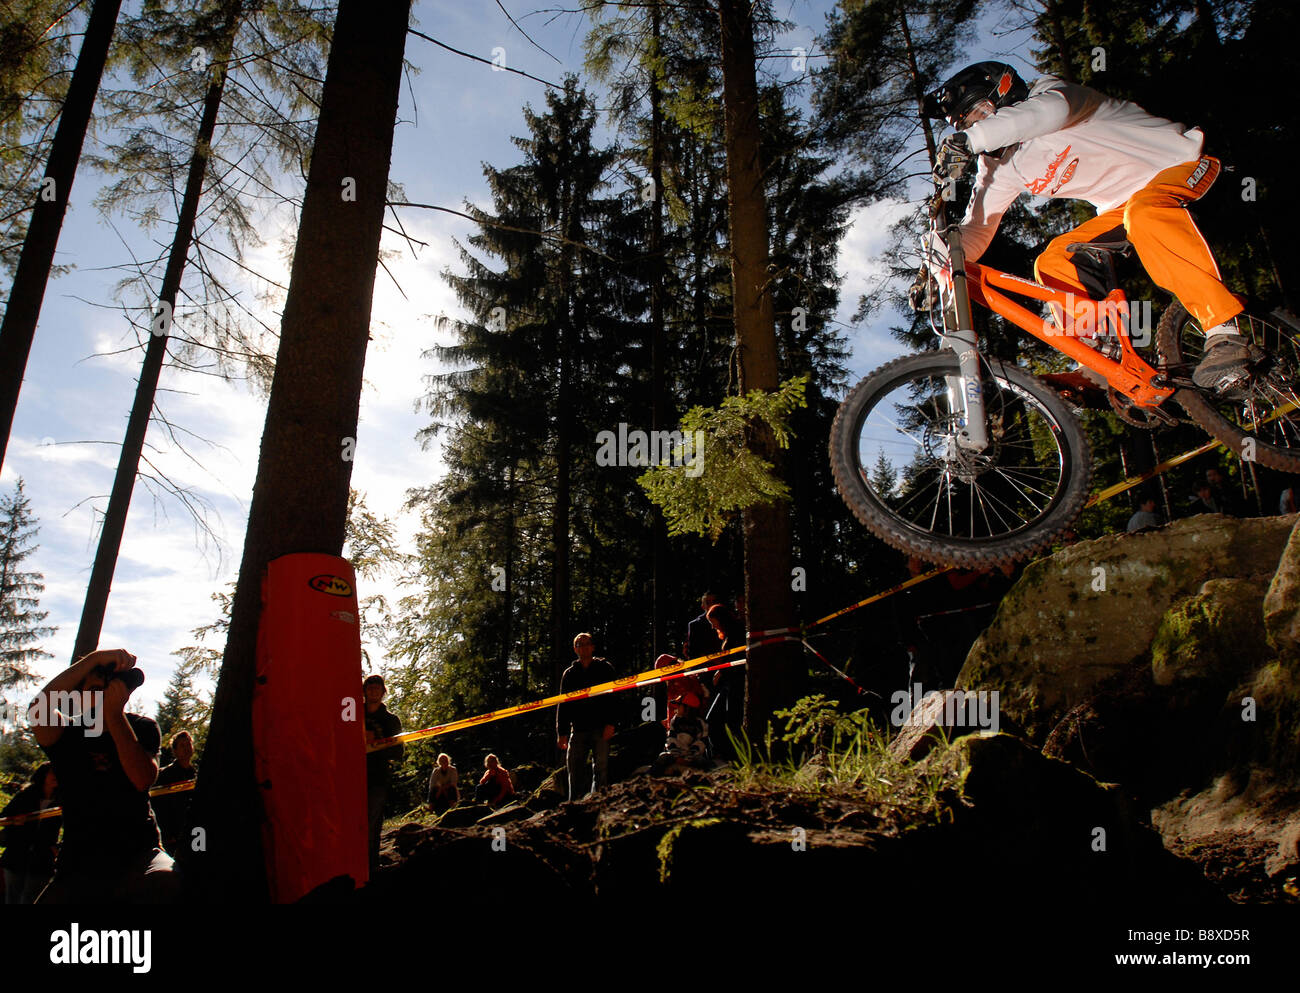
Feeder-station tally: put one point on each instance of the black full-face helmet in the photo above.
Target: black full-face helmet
(996, 82)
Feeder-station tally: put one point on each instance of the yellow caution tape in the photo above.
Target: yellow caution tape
(612, 686)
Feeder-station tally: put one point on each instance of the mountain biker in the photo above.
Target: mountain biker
(1059, 140)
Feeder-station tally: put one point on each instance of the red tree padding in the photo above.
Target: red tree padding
(308, 745)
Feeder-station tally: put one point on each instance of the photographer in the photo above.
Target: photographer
(105, 760)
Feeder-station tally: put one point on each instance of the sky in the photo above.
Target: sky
(454, 115)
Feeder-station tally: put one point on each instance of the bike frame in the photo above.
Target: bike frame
(1131, 376)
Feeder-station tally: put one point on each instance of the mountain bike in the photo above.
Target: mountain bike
(963, 459)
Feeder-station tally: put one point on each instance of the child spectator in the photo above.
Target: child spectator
(444, 793)
(681, 686)
(495, 787)
(688, 736)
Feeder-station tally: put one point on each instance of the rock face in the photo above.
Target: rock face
(1084, 615)
(1243, 834)
(1282, 604)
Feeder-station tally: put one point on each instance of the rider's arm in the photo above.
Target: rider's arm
(1058, 106)
(996, 188)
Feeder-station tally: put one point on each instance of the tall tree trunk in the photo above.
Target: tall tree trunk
(774, 671)
(561, 636)
(300, 496)
(128, 464)
(508, 625)
(918, 87)
(659, 571)
(33, 272)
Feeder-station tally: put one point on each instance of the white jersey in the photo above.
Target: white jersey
(1068, 142)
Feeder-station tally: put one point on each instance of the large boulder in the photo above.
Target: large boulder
(944, 716)
(1087, 613)
(1282, 604)
(1215, 634)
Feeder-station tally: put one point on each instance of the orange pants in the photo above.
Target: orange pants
(1166, 240)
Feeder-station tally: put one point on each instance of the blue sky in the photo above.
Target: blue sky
(454, 116)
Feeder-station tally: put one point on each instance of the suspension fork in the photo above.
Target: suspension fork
(965, 392)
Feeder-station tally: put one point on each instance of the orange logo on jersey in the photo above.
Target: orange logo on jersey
(1066, 173)
(1040, 184)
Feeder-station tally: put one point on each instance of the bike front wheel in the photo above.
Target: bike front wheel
(897, 465)
(1258, 420)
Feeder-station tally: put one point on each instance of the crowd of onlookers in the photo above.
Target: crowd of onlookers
(584, 726)
(1212, 494)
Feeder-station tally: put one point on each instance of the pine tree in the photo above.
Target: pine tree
(884, 477)
(35, 54)
(520, 525)
(20, 621)
(36, 261)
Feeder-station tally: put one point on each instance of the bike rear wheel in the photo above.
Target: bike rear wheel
(1259, 420)
(944, 504)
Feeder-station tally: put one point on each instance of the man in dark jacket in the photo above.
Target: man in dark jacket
(379, 724)
(701, 639)
(584, 726)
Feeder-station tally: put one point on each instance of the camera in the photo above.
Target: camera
(132, 677)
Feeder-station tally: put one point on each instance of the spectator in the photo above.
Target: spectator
(729, 684)
(1145, 516)
(495, 788)
(688, 737)
(678, 685)
(701, 639)
(1286, 502)
(30, 848)
(444, 793)
(1225, 496)
(583, 727)
(379, 724)
(173, 811)
(1203, 502)
(105, 760)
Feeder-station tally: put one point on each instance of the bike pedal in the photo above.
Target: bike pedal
(1230, 386)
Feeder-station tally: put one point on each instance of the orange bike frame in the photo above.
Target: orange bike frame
(1131, 377)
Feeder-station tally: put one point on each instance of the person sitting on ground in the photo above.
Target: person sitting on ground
(173, 810)
(31, 847)
(678, 685)
(105, 759)
(688, 736)
(444, 793)
(1145, 516)
(495, 788)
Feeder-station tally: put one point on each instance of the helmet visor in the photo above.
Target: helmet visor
(981, 110)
